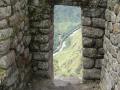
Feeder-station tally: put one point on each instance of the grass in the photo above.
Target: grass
(68, 61)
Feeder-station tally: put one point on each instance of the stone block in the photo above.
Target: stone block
(88, 63)
(110, 16)
(101, 51)
(109, 26)
(26, 40)
(42, 73)
(98, 43)
(4, 46)
(41, 65)
(115, 39)
(98, 63)
(113, 50)
(95, 13)
(98, 22)
(14, 42)
(116, 28)
(4, 3)
(17, 18)
(26, 53)
(41, 56)
(12, 79)
(91, 74)
(103, 4)
(86, 21)
(90, 52)
(118, 18)
(92, 32)
(43, 24)
(7, 60)
(5, 12)
(42, 38)
(88, 42)
(111, 4)
(118, 57)
(6, 33)
(107, 33)
(44, 47)
(44, 31)
(3, 23)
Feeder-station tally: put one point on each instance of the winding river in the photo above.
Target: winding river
(61, 47)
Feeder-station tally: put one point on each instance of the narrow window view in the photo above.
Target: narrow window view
(67, 42)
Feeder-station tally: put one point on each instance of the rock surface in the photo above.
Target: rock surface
(66, 84)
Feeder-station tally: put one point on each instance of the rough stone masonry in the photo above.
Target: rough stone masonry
(26, 41)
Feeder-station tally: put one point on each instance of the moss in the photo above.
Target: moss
(2, 72)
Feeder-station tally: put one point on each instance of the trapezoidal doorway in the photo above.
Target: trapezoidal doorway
(68, 45)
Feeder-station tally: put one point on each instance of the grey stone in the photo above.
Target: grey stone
(7, 60)
(101, 51)
(107, 33)
(26, 40)
(12, 78)
(118, 57)
(92, 32)
(88, 42)
(5, 12)
(88, 63)
(98, 63)
(90, 52)
(93, 12)
(91, 74)
(115, 39)
(111, 4)
(109, 26)
(98, 43)
(4, 46)
(44, 31)
(43, 65)
(86, 21)
(44, 47)
(42, 56)
(14, 42)
(4, 3)
(113, 50)
(110, 16)
(42, 38)
(42, 73)
(98, 22)
(43, 24)
(3, 23)
(118, 18)
(6, 33)
(26, 52)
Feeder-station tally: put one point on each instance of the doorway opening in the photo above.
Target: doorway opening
(68, 45)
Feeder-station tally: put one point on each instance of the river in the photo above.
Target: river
(64, 42)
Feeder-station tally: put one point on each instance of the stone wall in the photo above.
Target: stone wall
(41, 29)
(14, 41)
(93, 31)
(23, 28)
(110, 79)
(42, 38)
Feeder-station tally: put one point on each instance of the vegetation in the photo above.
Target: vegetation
(68, 61)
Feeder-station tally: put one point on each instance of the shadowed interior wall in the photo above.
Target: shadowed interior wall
(15, 59)
(42, 38)
(41, 13)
